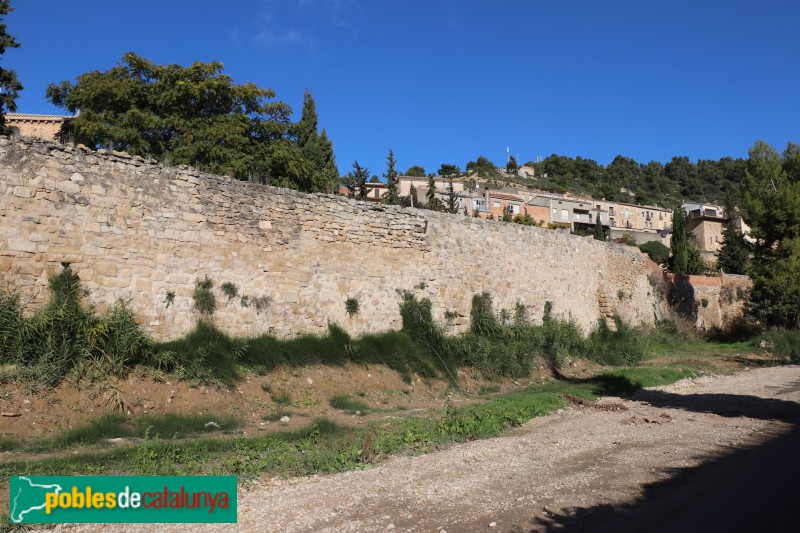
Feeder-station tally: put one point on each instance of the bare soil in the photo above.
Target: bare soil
(710, 454)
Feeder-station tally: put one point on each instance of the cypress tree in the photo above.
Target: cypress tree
(393, 197)
(599, 233)
(317, 149)
(679, 260)
(734, 254)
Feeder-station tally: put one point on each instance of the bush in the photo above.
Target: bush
(781, 343)
(204, 300)
(626, 346)
(658, 252)
(351, 306)
(65, 337)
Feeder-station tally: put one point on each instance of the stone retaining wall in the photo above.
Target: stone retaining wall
(136, 231)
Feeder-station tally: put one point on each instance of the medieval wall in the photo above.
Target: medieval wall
(136, 231)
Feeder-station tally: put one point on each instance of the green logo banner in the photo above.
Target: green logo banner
(122, 499)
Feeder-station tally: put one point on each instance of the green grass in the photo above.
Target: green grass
(325, 447)
(118, 426)
(277, 415)
(348, 404)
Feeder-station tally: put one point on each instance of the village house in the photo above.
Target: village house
(47, 127)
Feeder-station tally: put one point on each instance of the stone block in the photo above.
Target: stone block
(68, 187)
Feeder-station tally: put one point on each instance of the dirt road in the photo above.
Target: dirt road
(714, 454)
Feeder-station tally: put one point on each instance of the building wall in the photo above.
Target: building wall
(134, 230)
(710, 301)
(46, 127)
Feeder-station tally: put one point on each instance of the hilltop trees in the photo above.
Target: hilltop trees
(198, 116)
(416, 171)
(772, 209)
(9, 84)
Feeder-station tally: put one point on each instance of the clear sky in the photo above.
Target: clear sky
(443, 81)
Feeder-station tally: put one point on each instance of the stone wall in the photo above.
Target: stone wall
(135, 231)
(710, 301)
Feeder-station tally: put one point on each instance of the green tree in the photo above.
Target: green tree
(482, 167)
(10, 86)
(449, 170)
(599, 232)
(452, 199)
(317, 149)
(392, 181)
(193, 115)
(512, 167)
(679, 259)
(356, 181)
(734, 253)
(416, 171)
(772, 210)
(656, 251)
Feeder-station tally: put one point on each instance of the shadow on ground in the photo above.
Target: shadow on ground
(748, 489)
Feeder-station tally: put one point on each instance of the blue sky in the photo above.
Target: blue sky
(443, 81)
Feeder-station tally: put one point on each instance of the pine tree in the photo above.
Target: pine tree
(9, 84)
(393, 197)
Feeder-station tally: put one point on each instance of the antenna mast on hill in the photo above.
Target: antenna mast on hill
(508, 155)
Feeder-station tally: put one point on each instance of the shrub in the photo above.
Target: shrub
(230, 290)
(169, 299)
(482, 318)
(349, 405)
(629, 238)
(626, 346)
(781, 343)
(657, 251)
(65, 337)
(204, 300)
(351, 306)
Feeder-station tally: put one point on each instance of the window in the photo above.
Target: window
(513, 209)
(480, 205)
(497, 203)
(564, 214)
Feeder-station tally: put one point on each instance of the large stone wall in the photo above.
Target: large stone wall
(134, 231)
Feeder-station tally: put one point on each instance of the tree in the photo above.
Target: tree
(434, 203)
(772, 210)
(679, 260)
(10, 86)
(357, 181)
(416, 171)
(599, 232)
(195, 115)
(482, 167)
(449, 170)
(392, 197)
(452, 199)
(315, 148)
(734, 253)
(512, 167)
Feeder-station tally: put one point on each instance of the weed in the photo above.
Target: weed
(230, 290)
(204, 300)
(349, 405)
(244, 301)
(266, 387)
(169, 299)
(351, 306)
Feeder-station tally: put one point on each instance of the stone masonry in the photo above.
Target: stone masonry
(134, 231)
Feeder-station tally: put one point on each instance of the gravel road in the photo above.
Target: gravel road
(706, 454)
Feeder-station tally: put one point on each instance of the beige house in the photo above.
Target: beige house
(706, 222)
(45, 127)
